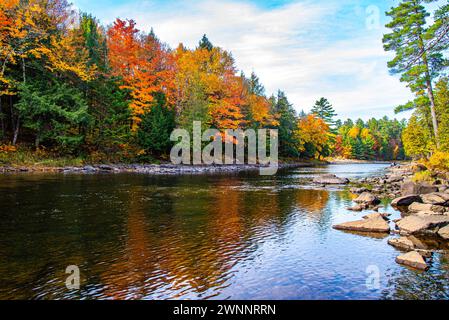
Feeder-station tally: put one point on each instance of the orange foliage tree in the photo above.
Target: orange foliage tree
(143, 63)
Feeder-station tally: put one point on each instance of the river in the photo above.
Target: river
(240, 236)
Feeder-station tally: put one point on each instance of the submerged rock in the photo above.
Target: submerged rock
(413, 259)
(375, 225)
(406, 200)
(330, 179)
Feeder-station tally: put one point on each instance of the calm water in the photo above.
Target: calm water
(196, 237)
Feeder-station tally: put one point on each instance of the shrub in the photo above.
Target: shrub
(439, 161)
(423, 176)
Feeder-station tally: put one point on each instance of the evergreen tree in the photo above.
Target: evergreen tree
(418, 51)
(324, 110)
(54, 112)
(205, 43)
(156, 127)
(287, 125)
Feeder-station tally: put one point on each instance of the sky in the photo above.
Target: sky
(309, 49)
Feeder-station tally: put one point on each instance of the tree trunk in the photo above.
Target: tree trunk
(37, 142)
(429, 90)
(16, 132)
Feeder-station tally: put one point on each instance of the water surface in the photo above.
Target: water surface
(197, 237)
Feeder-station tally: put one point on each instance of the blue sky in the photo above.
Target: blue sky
(309, 49)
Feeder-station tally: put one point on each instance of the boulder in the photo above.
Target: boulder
(89, 169)
(413, 259)
(402, 243)
(395, 178)
(356, 208)
(367, 198)
(376, 215)
(436, 199)
(375, 225)
(330, 179)
(444, 232)
(421, 224)
(105, 167)
(406, 200)
(358, 190)
(416, 207)
(412, 188)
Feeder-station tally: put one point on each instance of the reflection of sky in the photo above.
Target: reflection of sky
(330, 48)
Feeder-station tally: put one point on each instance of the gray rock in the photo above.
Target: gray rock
(412, 188)
(330, 179)
(356, 208)
(377, 215)
(367, 198)
(416, 207)
(436, 199)
(402, 243)
(421, 224)
(406, 200)
(413, 259)
(444, 232)
(358, 190)
(375, 225)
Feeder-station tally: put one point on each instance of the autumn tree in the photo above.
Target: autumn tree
(312, 134)
(143, 64)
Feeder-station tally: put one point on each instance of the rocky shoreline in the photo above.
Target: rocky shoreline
(423, 228)
(151, 169)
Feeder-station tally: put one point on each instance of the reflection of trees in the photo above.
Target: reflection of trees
(189, 243)
(313, 201)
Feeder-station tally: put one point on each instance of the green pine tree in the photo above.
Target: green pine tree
(157, 125)
(324, 110)
(418, 51)
(205, 43)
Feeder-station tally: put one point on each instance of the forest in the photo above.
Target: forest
(73, 88)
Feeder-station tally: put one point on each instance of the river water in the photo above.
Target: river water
(197, 237)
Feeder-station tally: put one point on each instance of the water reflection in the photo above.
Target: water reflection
(238, 237)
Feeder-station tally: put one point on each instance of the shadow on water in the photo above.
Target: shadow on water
(195, 237)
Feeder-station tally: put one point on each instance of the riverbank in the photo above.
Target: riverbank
(423, 226)
(155, 169)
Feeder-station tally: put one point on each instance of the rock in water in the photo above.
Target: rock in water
(358, 190)
(375, 225)
(356, 208)
(402, 243)
(367, 198)
(413, 259)
(406, 200)
(330, 179)
(425, 207)
(421, 224)
(444, 232)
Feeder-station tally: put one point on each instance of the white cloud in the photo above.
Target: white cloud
(289, 47)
